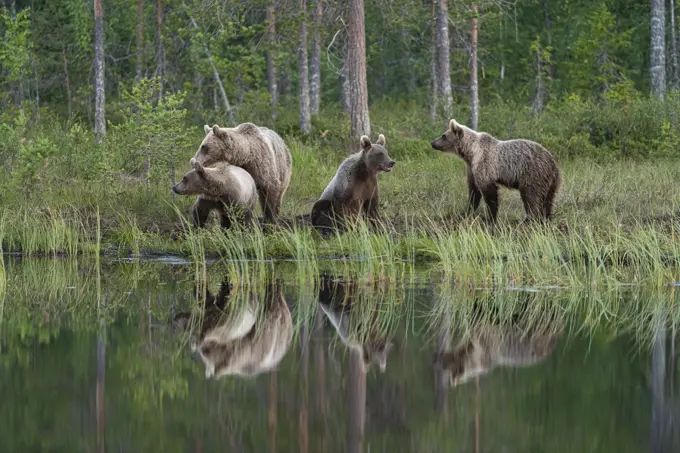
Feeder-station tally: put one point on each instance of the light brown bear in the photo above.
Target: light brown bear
(258, 150)
(516, 164)
(339, 301)
(224, 188)
(242, 339)
(354, 188)
(491, 346)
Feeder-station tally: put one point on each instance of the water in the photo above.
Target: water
(120, 358)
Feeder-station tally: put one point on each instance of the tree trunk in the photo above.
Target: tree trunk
(303, 426)
(474, 82)
(444, 66)
(434, 82)
(357, 401)
(675, 71)
(659, 423)
(538, 99)
(160, 50)
(271, 57)
(99, 90)
(67, 80)
(140, 40)
(657, 67)
(315, 101)
(360, 123)
(218, 79)
(303, 68)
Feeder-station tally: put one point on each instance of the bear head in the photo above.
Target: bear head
(453, 140)
(374, 155)
(194, 182)
(216, 146)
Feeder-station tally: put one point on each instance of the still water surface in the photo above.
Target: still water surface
(127, 358)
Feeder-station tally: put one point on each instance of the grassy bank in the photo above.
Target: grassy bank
(620, 218)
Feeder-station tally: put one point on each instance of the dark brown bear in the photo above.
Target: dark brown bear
(516, 164)
(354, 188)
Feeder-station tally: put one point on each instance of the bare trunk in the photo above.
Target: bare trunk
(140, 39)
(218, 79)
(160, 49)
(272, 411)
(271, 57)
(303, 68)
(474, 82)
(67, 81)
(357, 402)
(659, 423)
(37, 90)
(303, 427)
(675, 71)
(147, 172)
(434, 83)
(320, 366)
(657, 67)
(360, 123)
(344, 87)
(315, 101)
(101, 382)
(99, 90)
(444, 66)
(538, 98)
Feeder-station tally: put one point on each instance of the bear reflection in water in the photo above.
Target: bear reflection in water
(340, 302)
(240, 337)
(490, 344)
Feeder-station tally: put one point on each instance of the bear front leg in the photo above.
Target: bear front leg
(474, 194)
(269, 200)
(200, 212)
(371, 210)
(490, 195)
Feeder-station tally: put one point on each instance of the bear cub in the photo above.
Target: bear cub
(516, 164)
(223, 188)
(354, 188)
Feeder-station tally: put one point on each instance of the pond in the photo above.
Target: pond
(133, 356)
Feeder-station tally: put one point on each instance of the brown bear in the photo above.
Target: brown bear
(258, 150)
(516, 164)
(492, 346)
(243, 339)
(354, 188)
(224, 188)
(339, 301)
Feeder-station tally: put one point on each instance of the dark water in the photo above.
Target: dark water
(123, 358)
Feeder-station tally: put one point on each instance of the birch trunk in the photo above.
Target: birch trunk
(474, 82)
(160, 50)
(315, 100)
(675, 75)
(271, 59)
(434, 82)
(139, 44)
(303, 69)
(360, 123)
(99, 90)
(657, 67)
(443, 61)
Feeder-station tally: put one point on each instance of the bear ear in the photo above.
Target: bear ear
(206, 129)
(197, 166)
(381, 140)
(218, 131)
(365, 142)
(455, 128)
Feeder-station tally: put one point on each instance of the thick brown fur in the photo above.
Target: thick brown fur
(338, 301)
(516, 164)
(258, 150)
(224, 188)
(241, 339)
(354, 188)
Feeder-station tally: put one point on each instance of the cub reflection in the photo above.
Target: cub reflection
(518, 343)
(355, 320)
(243, 337)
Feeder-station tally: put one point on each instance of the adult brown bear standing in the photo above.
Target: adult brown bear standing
(516, 164)
(259, 151)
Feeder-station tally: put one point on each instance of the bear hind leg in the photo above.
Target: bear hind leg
(549, 202)
(270, 205)
(534, 204)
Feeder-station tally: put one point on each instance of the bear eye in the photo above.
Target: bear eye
(443, 136)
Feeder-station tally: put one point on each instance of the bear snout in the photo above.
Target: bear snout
(390, 164)
(434, 145)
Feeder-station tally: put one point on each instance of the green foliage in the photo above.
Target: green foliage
(16, 46)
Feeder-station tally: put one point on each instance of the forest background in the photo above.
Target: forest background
(103, 102)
